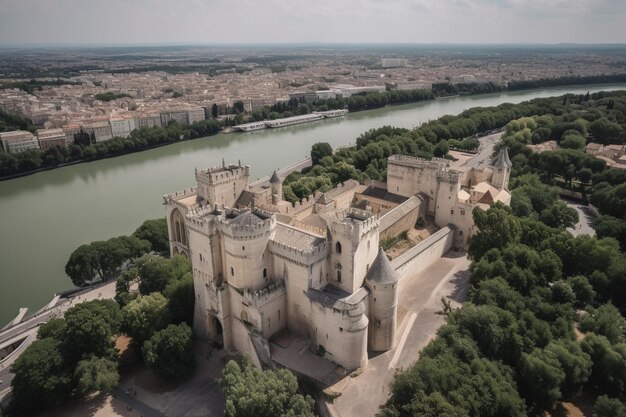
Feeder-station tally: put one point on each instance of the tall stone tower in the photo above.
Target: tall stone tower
(354, 248)
(382, 281)
(277, 188)
(222, 185)
(501, 170)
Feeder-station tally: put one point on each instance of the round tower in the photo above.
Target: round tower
(382, 281)
(501, 170)
(277, 188)
(245, 238)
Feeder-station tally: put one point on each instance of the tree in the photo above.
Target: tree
(251, 392)
(54, 328)
(181, 299)
(497, 228)
(169, 352)
(90, 327)
(145, 315)
(606, 321)
(40, 377)
(541, 378)
(575, 363)
(238, 107)
(605, 131)
(441, 149)
(214, 110)
(319, 151)
(82, 139)
(608, 407)
(123, 294)
(155, 272)
(96, 374)
(559, 215)
(155, 232)
(608, 372)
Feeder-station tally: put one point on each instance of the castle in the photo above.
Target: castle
(262, 265)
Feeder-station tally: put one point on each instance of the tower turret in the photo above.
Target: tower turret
(277, 188)
(501, 170)
(382, 281)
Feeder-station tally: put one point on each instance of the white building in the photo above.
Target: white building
(18, 141)
(393, 62)
(121, 127)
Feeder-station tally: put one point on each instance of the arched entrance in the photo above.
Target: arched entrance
(178, 232)
(216, 332)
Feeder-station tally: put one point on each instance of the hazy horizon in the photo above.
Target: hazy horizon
(248, 22)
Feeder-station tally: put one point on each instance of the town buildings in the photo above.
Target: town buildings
(262, 266)
(18, 141)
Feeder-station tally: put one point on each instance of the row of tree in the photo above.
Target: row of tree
(102, 260)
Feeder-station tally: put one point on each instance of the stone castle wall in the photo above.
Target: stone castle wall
(424, 254)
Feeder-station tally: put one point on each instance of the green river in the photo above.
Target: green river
(45, 216)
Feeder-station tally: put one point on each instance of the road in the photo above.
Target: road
(485, 151)
(585, 219)
(419, 318)
(283, 172)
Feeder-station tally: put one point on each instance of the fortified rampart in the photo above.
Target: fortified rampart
(422, 255)
(400, 218)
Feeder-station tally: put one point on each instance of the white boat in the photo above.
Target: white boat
(332, 113)
(249, 127)
(288, 121)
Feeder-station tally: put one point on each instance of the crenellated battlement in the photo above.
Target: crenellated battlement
(452, 177)
(222, 173)
(356, 222)
(303, 254)
(247, 225)
(187, 192)
(264, 294)
(415, 162)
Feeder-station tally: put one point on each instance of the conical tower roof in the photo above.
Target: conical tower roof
(275, 178)
(381, 271)
(502, 160)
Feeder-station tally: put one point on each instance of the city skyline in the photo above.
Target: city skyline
(324, 21)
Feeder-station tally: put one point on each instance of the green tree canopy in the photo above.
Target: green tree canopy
(251, 392)
(155, 232)
(169, 352)
(90, 327)
(145, 315)
(96, 374)
(40, 377)
(319, 151)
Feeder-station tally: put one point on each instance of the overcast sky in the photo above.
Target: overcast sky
(288, 21)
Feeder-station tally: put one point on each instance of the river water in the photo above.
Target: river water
(45, 216)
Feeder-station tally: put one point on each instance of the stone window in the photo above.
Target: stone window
(232, 271)
(243, 248)
(339, 275)
(338, 247)
(462, 212)
(264, 272)
(451, 211)
(460, 232)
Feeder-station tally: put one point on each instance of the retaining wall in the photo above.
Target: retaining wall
(422, 255)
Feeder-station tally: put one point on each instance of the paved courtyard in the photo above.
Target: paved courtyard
(419, 317)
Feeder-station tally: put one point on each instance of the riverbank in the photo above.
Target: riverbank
(461, 90)
(47, 215)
